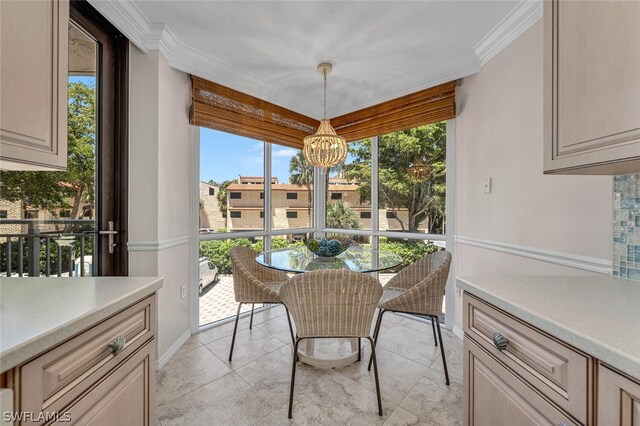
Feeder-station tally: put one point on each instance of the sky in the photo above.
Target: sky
(224, 156)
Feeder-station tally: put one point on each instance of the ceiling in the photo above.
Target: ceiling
(270, 50)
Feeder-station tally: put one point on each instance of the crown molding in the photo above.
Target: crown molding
(523, 16)
(128, 18)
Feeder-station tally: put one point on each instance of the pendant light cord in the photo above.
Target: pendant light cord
(324, 75)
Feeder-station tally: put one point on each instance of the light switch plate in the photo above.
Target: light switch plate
(486, 187)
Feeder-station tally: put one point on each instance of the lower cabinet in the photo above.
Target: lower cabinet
(124, 398)
(105, 375)
(515, 374)
(618, 399)
(498, 397)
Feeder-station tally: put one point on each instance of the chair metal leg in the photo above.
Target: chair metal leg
(359, 349)
(375, 374)
(376, 332)
(293, 340)
(433, 327)
(251, 320)
(293, 375)
(235, 328)
(444, 359)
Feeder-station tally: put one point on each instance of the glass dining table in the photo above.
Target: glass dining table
(356, 258)
(329, 353)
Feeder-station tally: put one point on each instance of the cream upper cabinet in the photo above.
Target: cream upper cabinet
(592, 87)
(33, 78)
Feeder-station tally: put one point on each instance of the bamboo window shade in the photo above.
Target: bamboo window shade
(221, 108)
(424, 107)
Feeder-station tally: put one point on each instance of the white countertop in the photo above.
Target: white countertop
(39, 313)
(599, 315)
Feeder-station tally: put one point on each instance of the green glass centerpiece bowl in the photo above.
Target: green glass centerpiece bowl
(324, 247)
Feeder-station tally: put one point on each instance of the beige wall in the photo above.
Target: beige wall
(159, 202)
(210, 215)
(499, 136)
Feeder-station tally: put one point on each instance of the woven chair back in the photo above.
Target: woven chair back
(332, 303)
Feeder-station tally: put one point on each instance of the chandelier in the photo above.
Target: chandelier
(419, 170)
(325, 148)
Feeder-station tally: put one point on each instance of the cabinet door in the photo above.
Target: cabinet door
(592, 89)
(495, 396)
(33, 108)
(618, 399)
(125, 398)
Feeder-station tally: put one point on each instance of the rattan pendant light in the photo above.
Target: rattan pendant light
(325, 148)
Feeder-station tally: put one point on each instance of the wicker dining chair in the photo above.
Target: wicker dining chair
(332, 304)
(418, 290)
(254, 283)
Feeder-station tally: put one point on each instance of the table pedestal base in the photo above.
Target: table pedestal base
(309, 354)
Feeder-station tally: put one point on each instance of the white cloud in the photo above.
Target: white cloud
(284, 152)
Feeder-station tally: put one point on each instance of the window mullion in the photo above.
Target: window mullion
(266, 202)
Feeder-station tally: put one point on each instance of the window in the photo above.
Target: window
(235, 214)
(292, 215)
(349, 188)
(262, 215)
(365, 215)
(212, 191)
(31, 214)
(412, 179)
(292, 179)
(3, 214)
(65, 213)
(262, 195)
(235, 195)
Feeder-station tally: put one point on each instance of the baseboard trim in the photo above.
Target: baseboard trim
(592, 264)
(158, 245)
(173, 349)
(458, 332)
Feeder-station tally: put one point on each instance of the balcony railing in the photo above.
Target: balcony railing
(48, 252)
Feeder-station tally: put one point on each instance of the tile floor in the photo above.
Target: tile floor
(198, 386)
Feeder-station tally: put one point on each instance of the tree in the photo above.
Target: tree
(301, 174)
(222, 195)
(423, 197)
(340, 215)
(52, 190)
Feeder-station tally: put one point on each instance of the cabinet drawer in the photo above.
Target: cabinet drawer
(125, 397)
(495, 396)
(54, 379)
(559, 372)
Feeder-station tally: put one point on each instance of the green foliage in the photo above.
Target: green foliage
(218, 251)
(410, 252)
(222, 196)
(301, 174)
(341, 216)
(50, 190)
(424, 198)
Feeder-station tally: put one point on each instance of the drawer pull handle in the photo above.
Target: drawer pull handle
(500, 341)
(117, 345)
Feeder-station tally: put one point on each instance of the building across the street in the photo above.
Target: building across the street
(291, 206)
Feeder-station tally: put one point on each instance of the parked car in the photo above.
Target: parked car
(208, 274)
(207, 231)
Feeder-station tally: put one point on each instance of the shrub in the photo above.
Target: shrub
(218, 252)
(410, 252)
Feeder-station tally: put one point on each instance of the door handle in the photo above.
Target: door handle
(111, 233)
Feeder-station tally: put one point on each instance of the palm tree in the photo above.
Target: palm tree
(301, 174)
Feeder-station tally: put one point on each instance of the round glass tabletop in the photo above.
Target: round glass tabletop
(300, 259)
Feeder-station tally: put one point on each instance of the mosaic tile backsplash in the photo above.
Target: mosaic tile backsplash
(626, 226)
